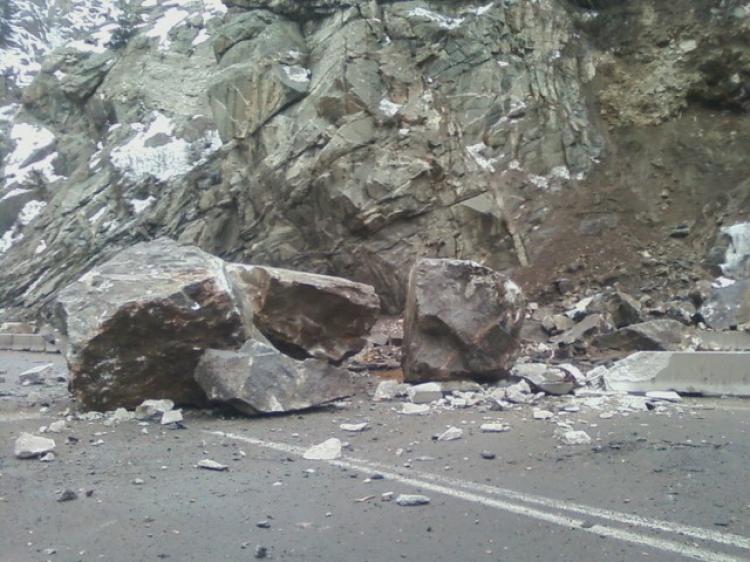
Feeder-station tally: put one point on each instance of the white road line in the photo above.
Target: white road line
(451, 487)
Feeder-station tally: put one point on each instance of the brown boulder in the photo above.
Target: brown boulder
(462, 320)
(136, 326)
(304, 314)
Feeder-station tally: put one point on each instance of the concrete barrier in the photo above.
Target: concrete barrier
(26, 342)
(710, 373)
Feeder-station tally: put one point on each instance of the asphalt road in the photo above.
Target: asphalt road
(669, 486)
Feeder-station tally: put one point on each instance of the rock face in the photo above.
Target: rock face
(653, 335)
(306, 315)
(136, 326)
(258, 379)
(462, 320)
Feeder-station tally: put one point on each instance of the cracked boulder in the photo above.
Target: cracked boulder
(462, 320)
(305, 314)
(728, 305)
(259, 379)
(137, 325)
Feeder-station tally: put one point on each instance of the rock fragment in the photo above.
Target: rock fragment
(172, 416)
(388, 390)
(354, 427)
(328, 450)
(410, 500)
(451, 434)
(67, 495)
(29, 446)
(36, 375)
(425, 393)
(570, 437)
(547, 379)
(494, 428)
(148, 409)
(410, 409)
(664, 395)
(209, 464)
(462, 320)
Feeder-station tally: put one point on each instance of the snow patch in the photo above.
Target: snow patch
(477, 153)
(297, 73)
(140, 205)
(168, 21)
(388, 107)
(483, 9)
(202, 37)
(443, 21)
(41, 247)
(29, 140)
(173, 159)
(30, 211)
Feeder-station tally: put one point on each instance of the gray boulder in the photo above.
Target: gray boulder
(259, 379)
(137, 325)
(462, 320)
(304, 314)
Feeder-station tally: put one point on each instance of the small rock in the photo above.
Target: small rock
(519, 393)
(488, 455)
(425, 393)
(388, 390)
(354, 427)
(328, 450)
(261, 551)
(451, 434)
(172, 416)
(538, 414)
(410, 409)
(265, 524)
(153, 408)
(412, 500)
(139, 481)
(57, 426)
(209, 464)
(29, 446)
(47, 457)
(494, 427)
(67, 495)
(120, 415)
(386, 496)
(36, 375)
(575, 438)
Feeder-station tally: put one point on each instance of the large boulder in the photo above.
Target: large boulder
(304, 314)
(462, 320)
(136, 326)
(258, 379)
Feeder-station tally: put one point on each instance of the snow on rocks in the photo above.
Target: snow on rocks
(328, 450)
(156, 152)
(29, 446)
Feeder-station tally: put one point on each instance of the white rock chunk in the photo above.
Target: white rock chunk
(209, 464)
(328, 450)
(172, 416)
(412, 499)
(410, 409)
(354, 427)
(153, 408)
(539, 414)
(388, 390)
(57, 426)
(29, 446)
(451, 434)
(574, 438)
(425, 393)
(494, 427)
